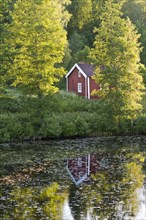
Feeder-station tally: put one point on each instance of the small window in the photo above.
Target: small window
(79, 87)
(79, 74)
(80, 162)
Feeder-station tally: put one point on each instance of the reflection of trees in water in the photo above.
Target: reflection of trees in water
(35, 204)
(112, 192)
(133, 180)
(77, 202)
(101, 195)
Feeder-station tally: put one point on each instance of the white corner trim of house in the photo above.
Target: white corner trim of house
(88, 87)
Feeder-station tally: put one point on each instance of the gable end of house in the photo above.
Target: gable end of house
(79, 68)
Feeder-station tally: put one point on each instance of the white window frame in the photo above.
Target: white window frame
(79, 74)
(79, 87)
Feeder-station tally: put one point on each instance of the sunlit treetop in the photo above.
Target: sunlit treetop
(38, 42)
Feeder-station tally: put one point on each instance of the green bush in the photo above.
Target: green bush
(50, 127)
(68, 125)
(60, 115)
(10, 128)
(26, 121)
(15, 127)
(10, 105)
(82, 127)
(140, 125)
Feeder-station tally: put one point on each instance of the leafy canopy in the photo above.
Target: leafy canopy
(116, 59)
(38, 41)
(5, 56)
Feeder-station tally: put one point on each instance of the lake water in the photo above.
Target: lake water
(81, 179)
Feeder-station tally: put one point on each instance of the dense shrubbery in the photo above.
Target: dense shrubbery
(59, 115)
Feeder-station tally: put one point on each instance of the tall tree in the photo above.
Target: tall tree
(5, 57)
(38, 42)
(116, 59)
(85, 16)
(136, 11)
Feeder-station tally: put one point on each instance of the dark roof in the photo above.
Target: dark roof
(87, 68)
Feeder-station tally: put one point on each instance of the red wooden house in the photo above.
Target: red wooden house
(79, 80)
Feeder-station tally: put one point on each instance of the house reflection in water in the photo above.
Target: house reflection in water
(80, 168)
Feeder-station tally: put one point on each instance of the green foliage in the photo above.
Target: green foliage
(77, 42)
(140, 125)
(5, 54)
(143, 71)
(16, 126)
(60, 115)
(82, 126)
(116, 49)
(10, 128)
(34, 52)
(82, 55)
(68, 125)
(136, 11)
(8, 104)
(86, 16)
(144, 103)
(83, 12)
(50, 127)
(38, 40)
(66, 59)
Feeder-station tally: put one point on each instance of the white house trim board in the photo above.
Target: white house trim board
(67, 84)
(88, 88)
(88, 167)
(76, 66)
(79, 181)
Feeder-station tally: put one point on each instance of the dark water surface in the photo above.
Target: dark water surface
(82, 179)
